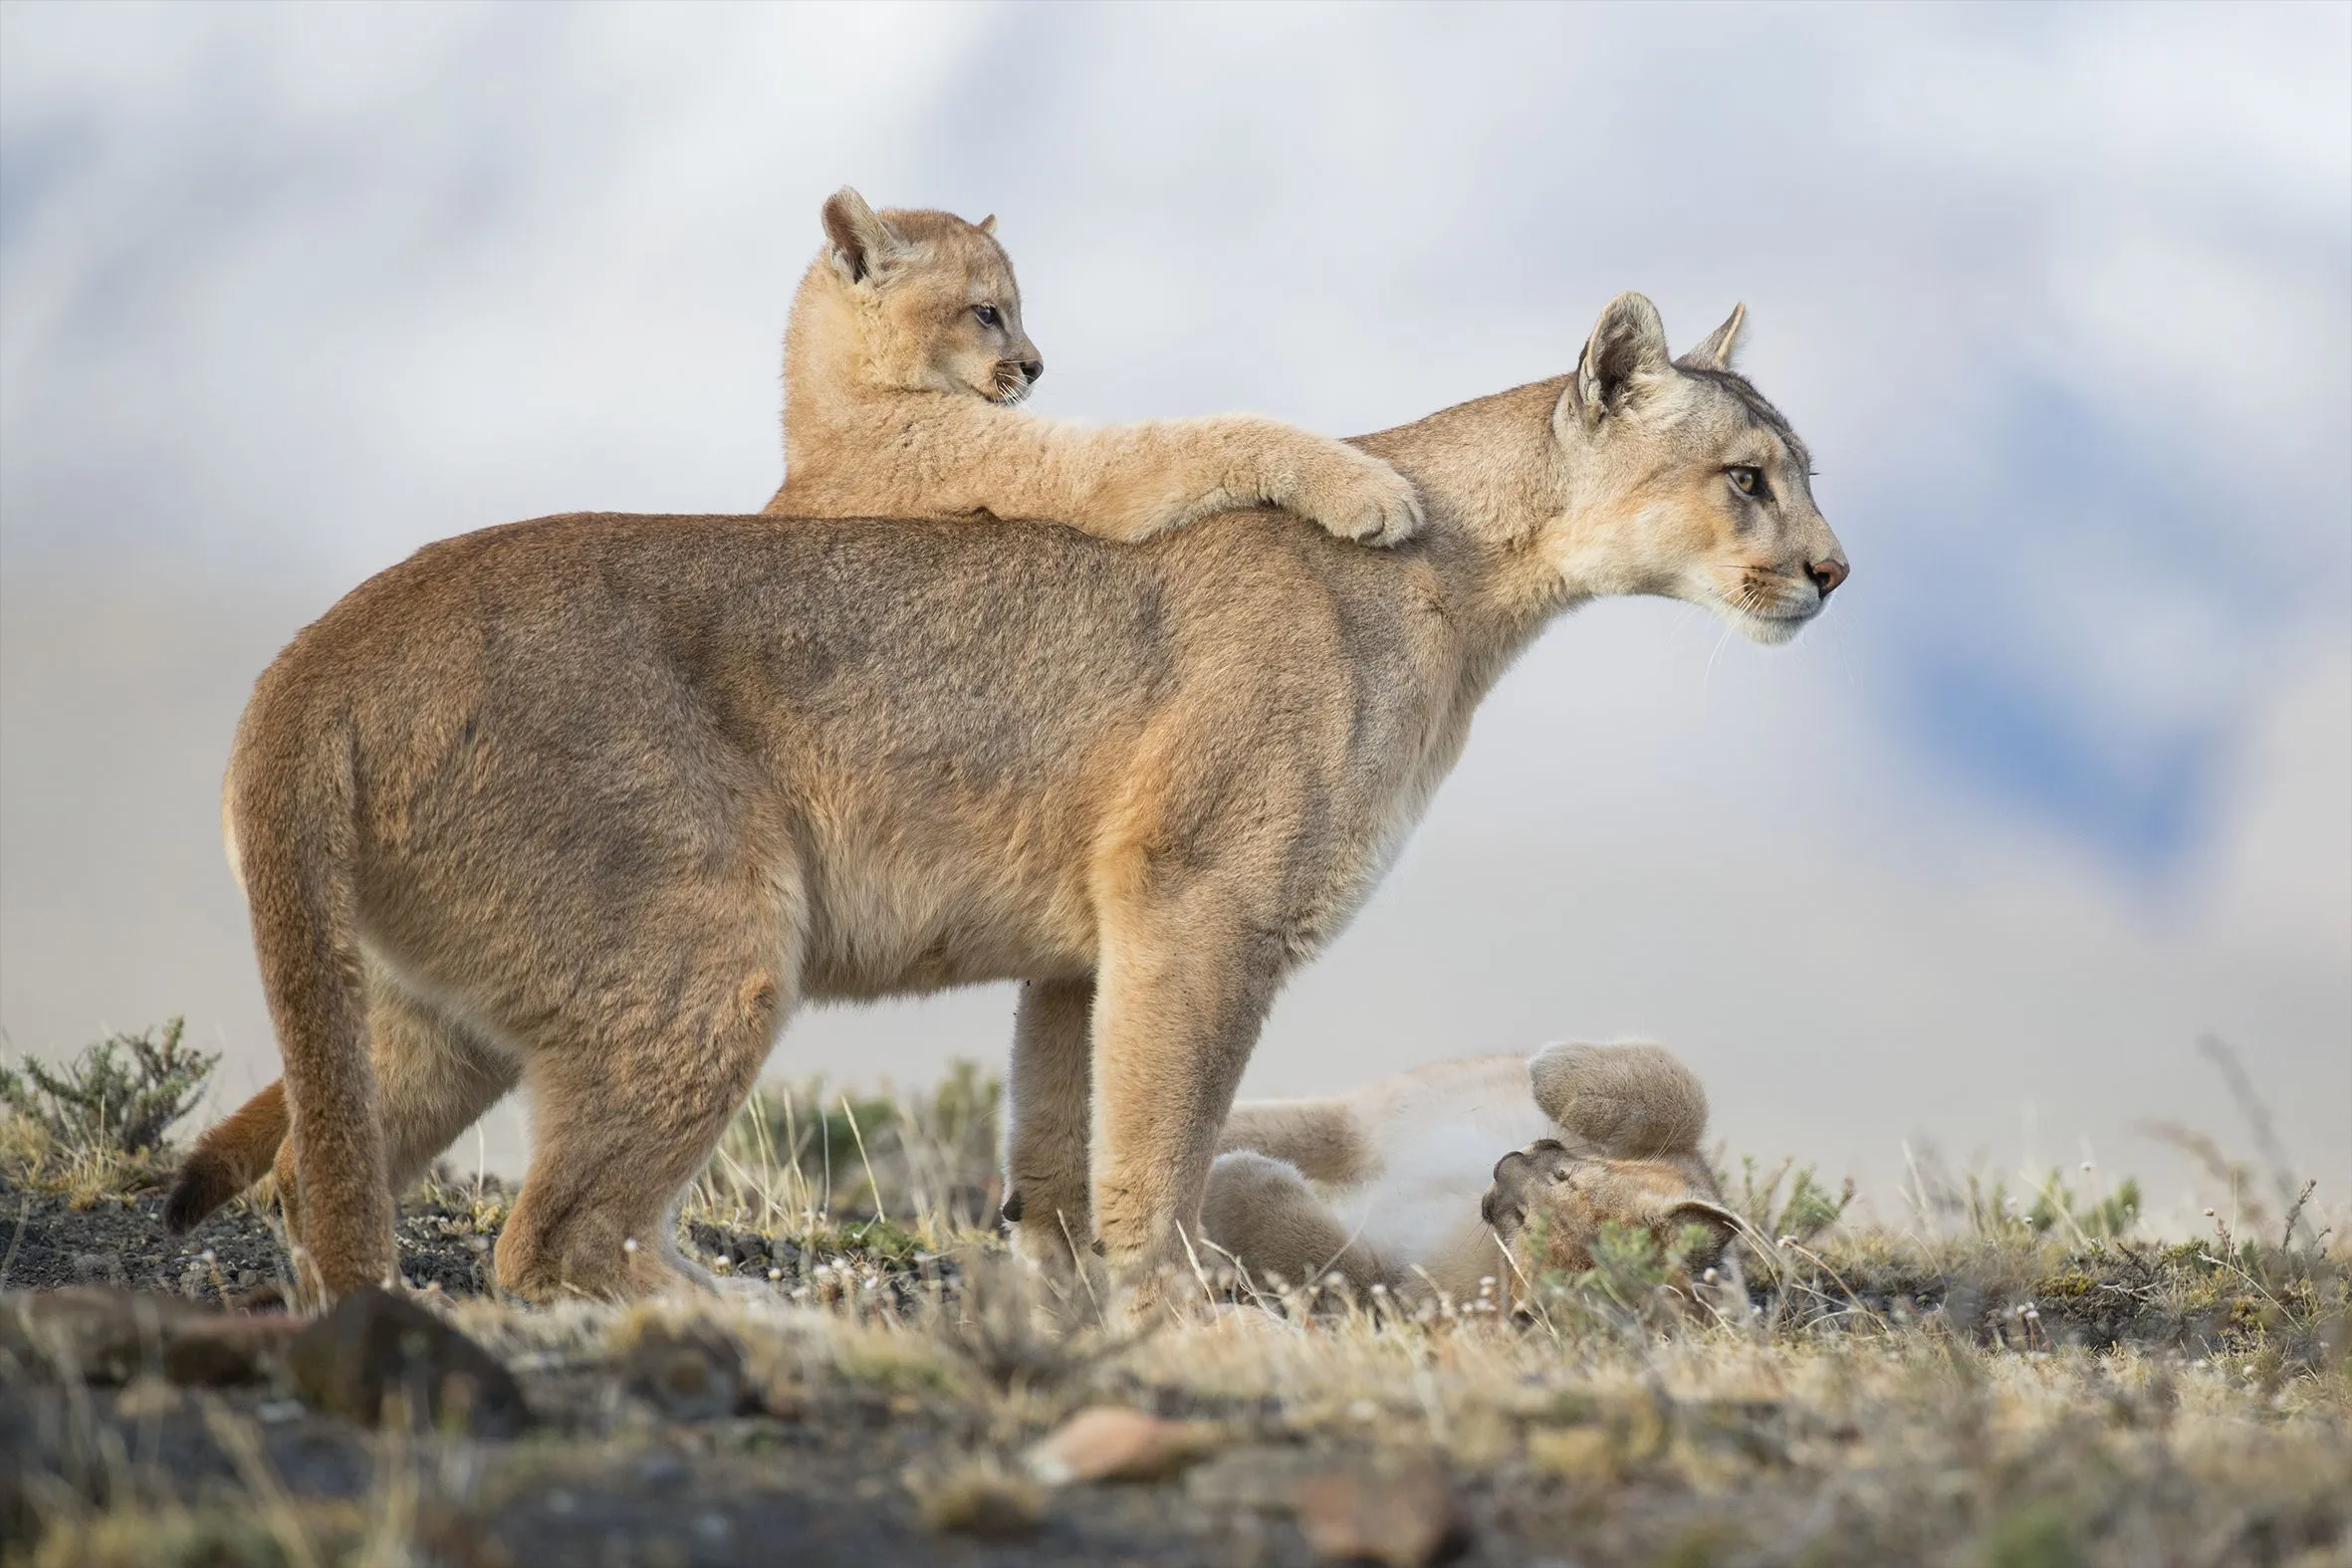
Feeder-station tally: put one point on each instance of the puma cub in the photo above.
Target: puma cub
(904, 360)
(1389, 1185)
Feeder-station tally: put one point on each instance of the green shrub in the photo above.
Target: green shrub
(120, 1096)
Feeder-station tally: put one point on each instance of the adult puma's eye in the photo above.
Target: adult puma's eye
(989, 315)
(1747, 481)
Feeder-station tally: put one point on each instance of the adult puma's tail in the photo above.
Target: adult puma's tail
(229, 1158)
(291, 808)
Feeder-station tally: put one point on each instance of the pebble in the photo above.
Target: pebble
(1108, 1442)
(1396, 1509)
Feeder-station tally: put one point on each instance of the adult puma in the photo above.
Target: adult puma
(904, 359)
(591, 802)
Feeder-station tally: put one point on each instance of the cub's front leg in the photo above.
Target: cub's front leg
(1130, 482)
(1349, 493)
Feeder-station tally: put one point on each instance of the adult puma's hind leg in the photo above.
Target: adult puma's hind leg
(1259, 1210)
(1633, 1102)
(626, 1114)
(434, 1080)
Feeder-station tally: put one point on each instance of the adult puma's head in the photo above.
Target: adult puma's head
(1709, 491)
(912, 300)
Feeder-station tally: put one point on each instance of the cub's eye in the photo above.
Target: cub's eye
(989, 315)
(1747, 481)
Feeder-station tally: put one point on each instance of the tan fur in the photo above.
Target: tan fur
(898, 401)
(1624, 1126)
(592, 803)
(1319, 1139)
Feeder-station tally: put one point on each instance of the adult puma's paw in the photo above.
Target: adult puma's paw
(1358, 496)
(1520, 1179)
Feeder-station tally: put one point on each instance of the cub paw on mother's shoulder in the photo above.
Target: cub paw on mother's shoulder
(1360, 498)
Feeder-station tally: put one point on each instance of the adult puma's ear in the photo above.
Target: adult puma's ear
(986, 224)
(862, 244)
(1715, 350)
(1627, 344)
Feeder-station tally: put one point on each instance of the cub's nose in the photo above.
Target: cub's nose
(1030, 369)
(1827, 574)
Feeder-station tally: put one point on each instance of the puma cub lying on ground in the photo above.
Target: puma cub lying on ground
(594, 804)
(903, 360)
(1390, 1185)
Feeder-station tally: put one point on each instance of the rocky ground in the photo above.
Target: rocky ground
(873, 1393)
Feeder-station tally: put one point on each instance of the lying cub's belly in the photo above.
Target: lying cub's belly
(1428, 1190)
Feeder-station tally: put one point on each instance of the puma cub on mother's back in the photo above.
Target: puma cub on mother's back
(902, 366)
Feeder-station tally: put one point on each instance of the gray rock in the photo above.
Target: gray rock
(375, 1345)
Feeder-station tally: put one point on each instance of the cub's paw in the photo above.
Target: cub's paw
(1520, 1179)
(1358, 496)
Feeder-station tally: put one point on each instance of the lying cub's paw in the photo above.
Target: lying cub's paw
(1364, 500)
(1519, 1180)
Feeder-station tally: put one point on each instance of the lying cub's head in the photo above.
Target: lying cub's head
(1548, 1203)
(1633, 1116)
(909, 300)
(1709, 491)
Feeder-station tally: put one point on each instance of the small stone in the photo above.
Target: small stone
(375, 1345)
(1396, 1509)
(1109, 1442)
(663, 1469)
(1257, 1479)
(687, 1376)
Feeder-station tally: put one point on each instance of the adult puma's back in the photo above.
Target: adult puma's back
(591, 802)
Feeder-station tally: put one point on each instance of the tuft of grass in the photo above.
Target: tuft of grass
(802, 1159)
(98, 1122)
(980, 1496)
(1788, 1201)
(120, 1095)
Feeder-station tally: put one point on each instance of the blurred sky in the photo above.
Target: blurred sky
(2061, 298)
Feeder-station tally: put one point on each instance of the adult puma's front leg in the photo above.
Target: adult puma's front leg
(1047, 1198)
(1178, 1009)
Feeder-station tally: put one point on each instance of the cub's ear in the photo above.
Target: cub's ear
(1627, 344)
(1720, 1222)
(986, 224)
(1715, 350)
(862, 244)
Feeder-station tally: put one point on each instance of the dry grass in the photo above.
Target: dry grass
(2006, 1382)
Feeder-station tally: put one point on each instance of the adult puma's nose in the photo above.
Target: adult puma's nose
(1030, 369)
(1827, 574)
